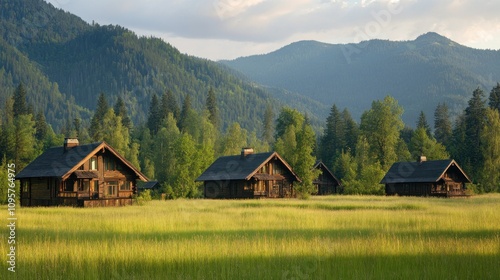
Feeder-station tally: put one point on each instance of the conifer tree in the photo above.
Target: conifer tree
(267, 134)
(20, 106)
(96, 124)
(333, 141)
(154, 116)
(211, 106)
(422, 123)
(169, 105)
(494, 99)
(186, 108)
(442, 125)
(474, 122)
(121, 111)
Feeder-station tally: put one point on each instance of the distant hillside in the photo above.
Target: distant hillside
(65, 63)
(419, 73)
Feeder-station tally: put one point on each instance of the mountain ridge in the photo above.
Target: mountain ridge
(65, 63)
(419, 73)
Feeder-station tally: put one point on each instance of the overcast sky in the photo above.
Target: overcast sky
(226, 29)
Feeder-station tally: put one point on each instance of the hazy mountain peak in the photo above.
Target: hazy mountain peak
(434, 38)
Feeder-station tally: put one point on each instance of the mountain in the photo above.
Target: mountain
(65, 63)
(419, 73)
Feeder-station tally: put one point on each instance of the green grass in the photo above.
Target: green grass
(335, 237)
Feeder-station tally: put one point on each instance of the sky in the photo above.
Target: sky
(227, 29)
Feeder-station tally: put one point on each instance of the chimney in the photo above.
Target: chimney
(246, 151)
(70, 143)
(422, 159)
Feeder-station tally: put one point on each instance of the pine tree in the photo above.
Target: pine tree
(474, 122)
(351, 131)
(267, 134)
(121, 111)
(422, 123)
(186, 108)
(96, 124)
(154, 117)
(442, 125)
(211, 106)
(169, 105)
(20, 106)
(41, 127)
(494, 99)
(333, 141)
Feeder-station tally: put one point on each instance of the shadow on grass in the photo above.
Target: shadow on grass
(35, 235)
(280, 267)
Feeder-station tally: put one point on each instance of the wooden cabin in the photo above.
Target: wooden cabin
(249, 175)
(326, 183)
(79, 175)
(426, 178)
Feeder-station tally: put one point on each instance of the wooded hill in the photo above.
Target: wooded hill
(65, 63)
(426, 71)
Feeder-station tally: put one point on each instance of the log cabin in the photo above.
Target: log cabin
(326, 183)
(79, 175)
(249, 175)
(442, 178)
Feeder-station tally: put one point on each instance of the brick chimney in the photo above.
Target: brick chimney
(70, 143)
(246, 151)
(422, 159)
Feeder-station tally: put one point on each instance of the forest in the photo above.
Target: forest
(177, 142)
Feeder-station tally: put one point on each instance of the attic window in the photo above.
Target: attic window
(93, 163)
(109, 164)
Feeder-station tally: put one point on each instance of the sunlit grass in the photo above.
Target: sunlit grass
(335, 237)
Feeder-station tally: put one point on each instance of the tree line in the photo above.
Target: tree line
(177, 142)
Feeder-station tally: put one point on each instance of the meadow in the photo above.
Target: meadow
(334, 237)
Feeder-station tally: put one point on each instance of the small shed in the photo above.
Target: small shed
(326, 183)
(442, 178)
(151, 185)
(249, 175)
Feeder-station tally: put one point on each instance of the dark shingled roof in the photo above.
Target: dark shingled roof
(238, 167)
(149, 185)
(320, 164)
(420, 172)
(54, 162)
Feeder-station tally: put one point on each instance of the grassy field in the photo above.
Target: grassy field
(335, 237)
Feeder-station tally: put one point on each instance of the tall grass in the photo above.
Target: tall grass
(336, 237)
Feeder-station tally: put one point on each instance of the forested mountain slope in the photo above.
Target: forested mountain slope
(419, 73)
(65, 63)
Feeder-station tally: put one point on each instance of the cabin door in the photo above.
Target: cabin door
(94, 189)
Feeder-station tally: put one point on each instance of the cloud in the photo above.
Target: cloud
(273, 22)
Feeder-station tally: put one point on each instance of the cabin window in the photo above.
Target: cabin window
(84, 186)
(95, 186)
(247, 187)
(112, 188)
(260, 186)
(277, 169)
(125, 185)
(264, 169)
(109, 164)
(25, 186)
(69, 186)
(93, 163)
